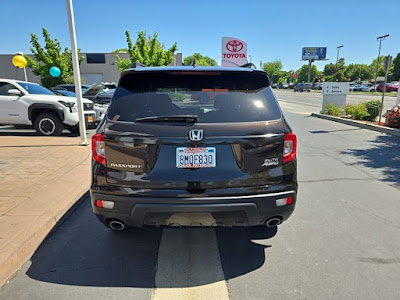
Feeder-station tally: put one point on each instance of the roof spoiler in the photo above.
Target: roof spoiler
(138, 65)
(250, 66)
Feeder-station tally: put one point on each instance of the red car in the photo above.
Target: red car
(394, 87)
(389, 87)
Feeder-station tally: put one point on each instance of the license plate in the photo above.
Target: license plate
(90, 118)
(195, 157)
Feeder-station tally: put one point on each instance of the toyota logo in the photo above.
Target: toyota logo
(234, 46)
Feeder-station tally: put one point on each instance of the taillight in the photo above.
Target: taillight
(284, 201)
(98, 146)
(289, 147)
(105, 204)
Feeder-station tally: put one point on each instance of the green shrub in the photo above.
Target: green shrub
(363, 111)
(357, 111)
(373, 109)
(332, 110)
(348, 109)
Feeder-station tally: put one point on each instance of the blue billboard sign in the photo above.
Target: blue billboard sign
(316, 53)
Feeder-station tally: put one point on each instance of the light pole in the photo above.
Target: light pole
(215, 58)
(379, 39)
(77, 75)
(337, 60)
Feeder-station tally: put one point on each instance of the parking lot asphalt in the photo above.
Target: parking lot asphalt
(313, 100)
(341, 242)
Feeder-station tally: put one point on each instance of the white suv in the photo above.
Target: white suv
(26, 103)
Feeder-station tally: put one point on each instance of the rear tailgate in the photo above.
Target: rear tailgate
(246, 155)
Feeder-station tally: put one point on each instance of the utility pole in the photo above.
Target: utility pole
(77, 74)
(379, 39)
(310, 61)
(388, 63)
(337, 60)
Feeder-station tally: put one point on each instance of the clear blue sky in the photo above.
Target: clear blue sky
(272, 29)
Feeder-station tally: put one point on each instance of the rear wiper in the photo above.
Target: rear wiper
(172, 118)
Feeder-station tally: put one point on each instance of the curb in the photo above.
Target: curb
(359, 124)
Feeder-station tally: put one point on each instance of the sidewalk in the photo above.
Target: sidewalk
(40, 179)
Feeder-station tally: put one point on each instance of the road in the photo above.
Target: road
(342, 242)
(314, 100)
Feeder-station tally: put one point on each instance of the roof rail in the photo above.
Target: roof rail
(250, 66)
(138, 65)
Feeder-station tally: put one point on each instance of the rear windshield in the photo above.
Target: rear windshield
(214, 97)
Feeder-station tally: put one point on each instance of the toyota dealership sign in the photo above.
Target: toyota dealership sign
(234, 52)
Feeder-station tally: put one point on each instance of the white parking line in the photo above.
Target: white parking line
(189, 266)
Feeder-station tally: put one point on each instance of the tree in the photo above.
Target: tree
(273, 68)
(121, 50)
(200, 60)
(302, 73)
(281, 80)
(330, 70)
(49, 56)
(381, 68)
(147, 50)
(396, 68)
(285, 75)
(357, 71)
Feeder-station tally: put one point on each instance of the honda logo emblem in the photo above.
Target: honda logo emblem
(196, 134)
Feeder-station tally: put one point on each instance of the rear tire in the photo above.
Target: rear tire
(74, 129)
(48, 124)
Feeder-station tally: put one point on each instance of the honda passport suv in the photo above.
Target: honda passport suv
(162, 157)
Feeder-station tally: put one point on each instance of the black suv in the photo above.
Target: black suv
(163, 157)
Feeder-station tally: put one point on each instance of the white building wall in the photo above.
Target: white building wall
(108, 70)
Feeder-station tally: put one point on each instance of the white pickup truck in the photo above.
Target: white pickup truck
(26, 103)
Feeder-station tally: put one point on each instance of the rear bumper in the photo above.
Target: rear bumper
(226, 211)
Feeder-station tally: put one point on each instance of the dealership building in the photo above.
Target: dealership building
(95, 67)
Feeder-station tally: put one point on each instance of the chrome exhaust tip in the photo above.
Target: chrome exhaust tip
(273, 222)
(117, 225)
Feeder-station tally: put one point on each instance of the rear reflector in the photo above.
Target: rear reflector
(290, 147)
(98, 147)
(284, 201)
(105, 204)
